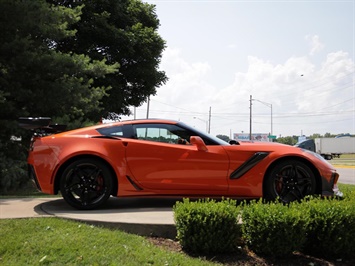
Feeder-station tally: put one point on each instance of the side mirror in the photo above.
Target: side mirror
(199, 143)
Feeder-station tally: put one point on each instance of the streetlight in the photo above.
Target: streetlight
(203, 121)
(265, 103)
(268, 105)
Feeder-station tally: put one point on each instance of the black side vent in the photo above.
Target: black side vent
(247, 165)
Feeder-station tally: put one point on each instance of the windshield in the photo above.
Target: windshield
(205, 136)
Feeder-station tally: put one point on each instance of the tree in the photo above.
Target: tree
(287, 140)
(315, 135)
(36, 79)
(61, 59)
(123, 32)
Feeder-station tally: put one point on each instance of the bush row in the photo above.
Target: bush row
(207, 226)
(314, 226)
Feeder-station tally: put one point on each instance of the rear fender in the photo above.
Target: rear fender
(109, 151)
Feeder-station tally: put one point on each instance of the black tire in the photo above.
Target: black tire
(289, 181)
(86, 184)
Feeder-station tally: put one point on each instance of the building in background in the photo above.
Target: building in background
(254, 137)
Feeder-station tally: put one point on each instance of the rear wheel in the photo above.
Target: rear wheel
(86, 184)
(288, 181)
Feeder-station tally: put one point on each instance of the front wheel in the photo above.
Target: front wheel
(288, 181)
(86, 184)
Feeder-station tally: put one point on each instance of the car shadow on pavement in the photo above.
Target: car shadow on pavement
(141, 216)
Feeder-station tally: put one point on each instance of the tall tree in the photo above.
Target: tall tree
(36, 79)
(123, 32)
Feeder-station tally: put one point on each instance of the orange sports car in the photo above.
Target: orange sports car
(164, 158)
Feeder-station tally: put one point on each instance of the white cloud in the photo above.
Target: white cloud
(311, 90)
(305, 98)
(186, 80)
(315, 44)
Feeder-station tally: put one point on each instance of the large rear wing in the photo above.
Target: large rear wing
(41, 126)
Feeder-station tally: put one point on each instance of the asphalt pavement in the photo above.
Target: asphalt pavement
(346, 175)
(141, 216)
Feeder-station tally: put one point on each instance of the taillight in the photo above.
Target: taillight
(33, 140)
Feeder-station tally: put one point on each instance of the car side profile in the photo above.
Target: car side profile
(166, 158)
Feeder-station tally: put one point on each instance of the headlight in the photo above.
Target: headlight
(318, 156)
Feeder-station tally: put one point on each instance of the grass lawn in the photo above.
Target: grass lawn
(53, 241)
(345, 160)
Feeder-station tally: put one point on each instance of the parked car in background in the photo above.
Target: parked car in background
(165, 158)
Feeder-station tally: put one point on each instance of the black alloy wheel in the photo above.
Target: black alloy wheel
(289, 181)
(86, 184)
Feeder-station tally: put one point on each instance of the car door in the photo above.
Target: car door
(158, 162)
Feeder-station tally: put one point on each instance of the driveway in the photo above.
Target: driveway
(143, 216)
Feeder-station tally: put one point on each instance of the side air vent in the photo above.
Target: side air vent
(247, 165)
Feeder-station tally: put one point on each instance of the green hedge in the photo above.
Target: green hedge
(313, 226)
(274, 229)
(331, 228)
(207, 226)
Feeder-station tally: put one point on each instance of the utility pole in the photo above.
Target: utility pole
(250, 123)
(209, 122)
(148, 103)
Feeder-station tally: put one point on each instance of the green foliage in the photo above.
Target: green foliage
(332, 226)
(207, 226)
(38, 80)
(273, 229)
(287, 140)
(315, 226)
(123, 32)
(12, 169)
(61, 58)
(36, 72)
(315, 135)
(53, 241)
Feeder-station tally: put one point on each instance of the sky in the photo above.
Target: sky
(294, 59)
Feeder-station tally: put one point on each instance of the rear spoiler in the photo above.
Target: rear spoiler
(40, 125)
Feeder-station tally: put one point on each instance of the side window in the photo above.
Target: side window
(161, 133)
(116, 131)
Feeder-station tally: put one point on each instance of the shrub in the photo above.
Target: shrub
(315, 226)
(13, 167)
(332, 227)
(273, 229)
(207, 226)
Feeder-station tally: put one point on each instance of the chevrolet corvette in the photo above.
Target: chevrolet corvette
(164, 158)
